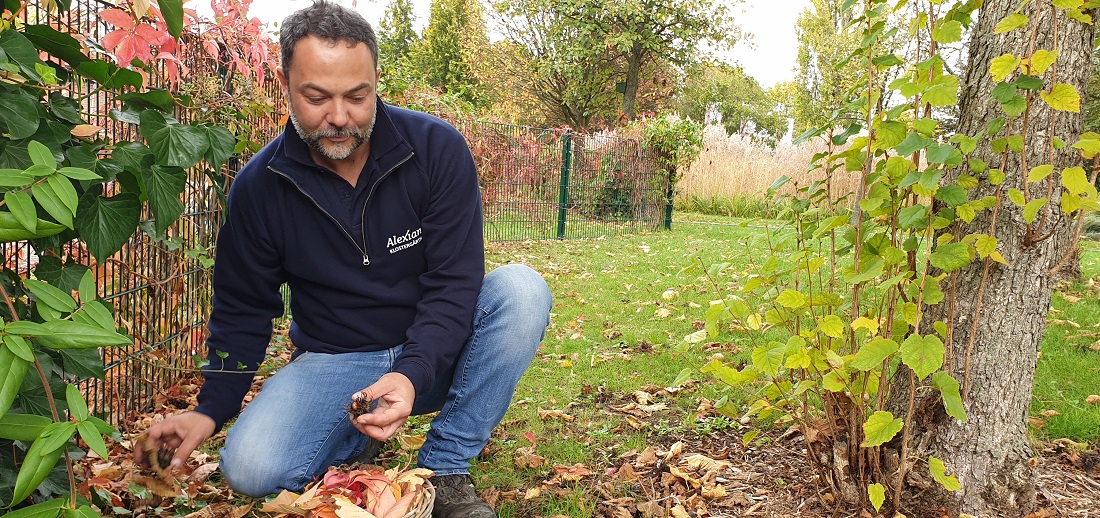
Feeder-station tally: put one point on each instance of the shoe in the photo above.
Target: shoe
(455, 498)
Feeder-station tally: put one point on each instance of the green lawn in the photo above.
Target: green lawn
(622, 308)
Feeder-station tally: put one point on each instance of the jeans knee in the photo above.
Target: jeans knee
(518, 286)
(250, 474)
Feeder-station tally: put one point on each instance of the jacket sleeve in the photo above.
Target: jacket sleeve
(246, 281)
(455, 253)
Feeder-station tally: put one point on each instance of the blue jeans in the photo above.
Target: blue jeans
(297, 426)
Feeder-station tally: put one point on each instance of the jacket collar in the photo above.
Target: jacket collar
(388, 146)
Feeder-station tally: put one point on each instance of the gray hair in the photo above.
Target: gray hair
(328, 21)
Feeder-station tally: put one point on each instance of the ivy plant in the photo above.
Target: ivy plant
(70, 187)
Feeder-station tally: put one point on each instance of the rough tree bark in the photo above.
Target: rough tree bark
(995, 359)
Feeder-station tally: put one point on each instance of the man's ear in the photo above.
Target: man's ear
(377, 74)
(281, 75)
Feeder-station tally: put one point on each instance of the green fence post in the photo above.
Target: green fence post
(668, 197)
(563, 194)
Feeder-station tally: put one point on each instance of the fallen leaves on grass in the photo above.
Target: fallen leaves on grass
(357, 493)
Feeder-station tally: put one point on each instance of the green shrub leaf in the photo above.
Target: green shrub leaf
(871, 355)
(939, 472)
(47, 509)
(37, 464)
(51, 296)
(832, 326)
(949, 389)
(1032, 209)
(92, 437)
(23, 427)
(107, 223)
(12, 370)
(879, 428)
(23, 209)
(877, 493)
(1010, 23)
(923, 355)
(1076, 181)
(174, 144)
(78, 408)
(950, 257)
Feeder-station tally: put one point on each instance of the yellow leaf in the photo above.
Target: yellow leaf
(1010, 23)
(1002, 66)
(1041, 60)
(141, 7)
(1063, 97)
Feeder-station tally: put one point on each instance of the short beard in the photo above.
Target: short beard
(313, 138)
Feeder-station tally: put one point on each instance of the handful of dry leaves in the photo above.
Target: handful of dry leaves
(359, 493)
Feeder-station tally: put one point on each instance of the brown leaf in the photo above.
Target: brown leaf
(527, 458)
(704, 463)
(739, 498)
(648, 457)
(555, 414)
(651, 508)
(221, 510)
(627, 474)
(155, 485)
(1047, 512)
(284, 503)
(685, 476)
(532, 493)
(85, 130)
(202, 473)
(642, 397)
(679, 512)
(411, 442)
(1049, 413)
(572, 473)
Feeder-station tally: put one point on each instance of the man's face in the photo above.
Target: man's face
(331, 92)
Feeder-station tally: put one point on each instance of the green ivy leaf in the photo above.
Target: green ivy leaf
(1002, 66)
(1010, 23)
(107, 223)
(1076, 181)
(174, 144)
(939, 473)
(1063, 97)
(83, 363)
(1032, 209)
(20, 115)
(923, 355)
(222, 145)
(880, 428)
(871, 355)
(949, 390)
(164, 186)
(23, 209)
(877, 493)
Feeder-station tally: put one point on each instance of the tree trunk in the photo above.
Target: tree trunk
(633, 72)
(995, 359)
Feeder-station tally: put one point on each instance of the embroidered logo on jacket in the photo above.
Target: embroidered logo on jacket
(398, 243)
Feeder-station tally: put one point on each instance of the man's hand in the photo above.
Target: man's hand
(395, 395)
(181, 433)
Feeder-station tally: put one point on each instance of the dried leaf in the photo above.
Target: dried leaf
(704, 463)
(85, 130)
(648, 457)
(532, 493)
(679, 512)
(1093, 399)
(572, 473)
(674, 451)
(283, 503)
(221, 510)
(627, 474)
(555, 414)
(411, 442)
(527, 458)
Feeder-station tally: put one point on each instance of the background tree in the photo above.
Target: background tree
(745, 107)
(397, 37)
(568, 69)
(642, 31)
(442, 56)
(825, 74)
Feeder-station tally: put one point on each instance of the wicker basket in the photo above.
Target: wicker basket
(426, 501)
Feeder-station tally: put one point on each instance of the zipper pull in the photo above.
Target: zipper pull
(366, 260)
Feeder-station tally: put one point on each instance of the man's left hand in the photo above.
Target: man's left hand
(395, 395)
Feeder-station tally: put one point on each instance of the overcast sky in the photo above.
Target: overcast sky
(768, 54)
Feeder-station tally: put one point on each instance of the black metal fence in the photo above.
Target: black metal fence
(537, 184)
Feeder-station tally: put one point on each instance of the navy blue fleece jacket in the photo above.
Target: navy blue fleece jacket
(398, 259)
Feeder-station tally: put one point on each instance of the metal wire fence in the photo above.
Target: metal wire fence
(537, 184)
